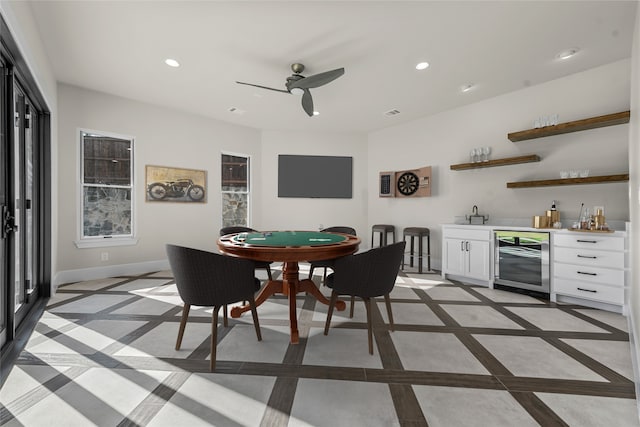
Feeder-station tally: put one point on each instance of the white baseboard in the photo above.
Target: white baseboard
(93, 273)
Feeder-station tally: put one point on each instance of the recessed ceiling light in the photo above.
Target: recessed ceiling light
(467, 87)
(172, 62)
(315, 113)
(422, 66)
(567, 53)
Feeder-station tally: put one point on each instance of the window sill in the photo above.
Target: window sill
(106, 242)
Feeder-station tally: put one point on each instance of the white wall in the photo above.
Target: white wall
(163, 137)
(634, 199)
(447, 138)
(307, 214)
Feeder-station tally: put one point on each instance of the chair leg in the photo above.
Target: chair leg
(367, 304)
(353, 302)
(332, 303)
(183, 323)
(269, 272)
(324, 276)
(214, 337)
(387, 302)
(254, 314)
(225, 316)
(311, 272)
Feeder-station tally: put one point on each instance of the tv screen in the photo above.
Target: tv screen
(328, 177)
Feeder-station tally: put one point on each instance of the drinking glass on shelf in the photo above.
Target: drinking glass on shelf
(486, 151)
(472, 155)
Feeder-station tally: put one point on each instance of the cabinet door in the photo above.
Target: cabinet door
(454, 257)
(478, 260)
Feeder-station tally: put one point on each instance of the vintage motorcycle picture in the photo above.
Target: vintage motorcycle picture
(175, 185)
(180, 188)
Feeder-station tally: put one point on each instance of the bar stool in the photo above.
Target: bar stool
(383, 229)
(420, 233)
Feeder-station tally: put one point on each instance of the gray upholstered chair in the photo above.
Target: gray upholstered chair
(241, 229)
(328, 263)
(212, 280)
(366, 275)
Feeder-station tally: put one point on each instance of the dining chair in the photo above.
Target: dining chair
(241, 229)
(328, 263)
(366, 275)
(208, 279)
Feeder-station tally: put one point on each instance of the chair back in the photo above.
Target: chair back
(210, 279)
(340, 229)
(235, 229)
(368, 274)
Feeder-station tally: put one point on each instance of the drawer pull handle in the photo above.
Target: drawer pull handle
(587, 256)
(588, 274)
(587, 241)
(587, 290)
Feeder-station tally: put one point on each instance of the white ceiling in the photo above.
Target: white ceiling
(118, 47)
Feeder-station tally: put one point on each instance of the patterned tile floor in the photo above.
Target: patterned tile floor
(103, 354)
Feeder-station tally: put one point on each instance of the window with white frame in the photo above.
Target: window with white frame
(106, 176)
(235, 189)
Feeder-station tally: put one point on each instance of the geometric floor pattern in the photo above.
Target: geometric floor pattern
(103, 354)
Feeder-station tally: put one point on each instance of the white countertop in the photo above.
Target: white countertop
(493, 226)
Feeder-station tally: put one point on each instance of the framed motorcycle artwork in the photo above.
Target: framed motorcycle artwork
(166, 184)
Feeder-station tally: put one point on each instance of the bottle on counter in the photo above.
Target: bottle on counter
(585, 221)
(553, 215)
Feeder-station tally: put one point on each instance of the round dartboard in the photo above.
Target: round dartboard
(408, 183)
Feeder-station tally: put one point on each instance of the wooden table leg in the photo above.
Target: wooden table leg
(308, 286)
(271, 288)
(290, 286)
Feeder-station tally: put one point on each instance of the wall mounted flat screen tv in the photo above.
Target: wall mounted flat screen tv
(328, 177)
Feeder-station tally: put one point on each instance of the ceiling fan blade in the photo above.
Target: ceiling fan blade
(263, 87)
(307, 102)
(318, 79)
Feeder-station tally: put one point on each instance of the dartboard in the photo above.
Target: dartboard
(408, 183)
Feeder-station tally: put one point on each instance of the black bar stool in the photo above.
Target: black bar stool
(383, 229)
(420, 233)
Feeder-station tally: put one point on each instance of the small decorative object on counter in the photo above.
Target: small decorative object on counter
(553, 214)
(585, 220)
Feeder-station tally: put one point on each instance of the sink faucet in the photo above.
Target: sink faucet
(474, 210)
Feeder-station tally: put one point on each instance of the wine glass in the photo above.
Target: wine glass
(472, 155)
(486, 151)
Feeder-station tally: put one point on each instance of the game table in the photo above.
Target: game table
(289, 247)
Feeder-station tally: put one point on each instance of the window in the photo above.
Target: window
(107, 190)
(235, 190)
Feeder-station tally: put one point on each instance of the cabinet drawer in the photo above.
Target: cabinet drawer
(589, 241)
(589, 274)
(467, 233)
(589, 257)
(590, 291)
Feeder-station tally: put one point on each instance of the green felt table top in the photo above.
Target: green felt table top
(289, 238)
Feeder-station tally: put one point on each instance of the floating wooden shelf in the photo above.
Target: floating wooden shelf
(568, 127)
(497, 162)
(570, 181)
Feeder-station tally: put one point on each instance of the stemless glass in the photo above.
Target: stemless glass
(486, 151)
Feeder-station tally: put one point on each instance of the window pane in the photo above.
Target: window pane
(235, 176)
(234, 209)
(106, 160)
(107, 211)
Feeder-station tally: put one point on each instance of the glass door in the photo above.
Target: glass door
(4, 209)
(25, 203)
(21, 243)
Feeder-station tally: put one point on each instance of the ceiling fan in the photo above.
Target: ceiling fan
(297, 84)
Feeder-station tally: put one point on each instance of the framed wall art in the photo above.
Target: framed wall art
(167, 184)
